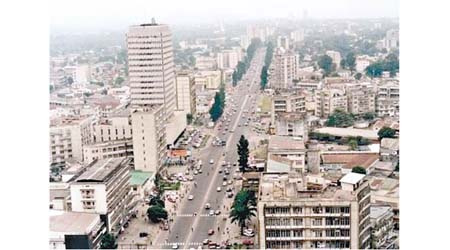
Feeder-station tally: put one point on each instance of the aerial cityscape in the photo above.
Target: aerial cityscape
(269, 133)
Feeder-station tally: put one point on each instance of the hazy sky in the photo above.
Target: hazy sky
(108, 14)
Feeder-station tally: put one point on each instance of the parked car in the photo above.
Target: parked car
(143, 234)
(210, 232)
(206, 241)
(247, 242)
(219, 189)
(190, 197)
(207, 206)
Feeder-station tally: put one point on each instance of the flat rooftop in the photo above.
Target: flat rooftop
(72, 222)
(350, 160)
(138, 178)
(347, 132)
(277, 142)
(101, 170)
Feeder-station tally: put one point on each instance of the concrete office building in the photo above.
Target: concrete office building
(106, 150)
(292, 124)
(388, 99)
(149, 138)
(310, 212)
(328, 100)
(361, 99)
(285, 67)
(104, 189)
(336, 56)
(208, 79)
(289, 102)
(67, 136)
(186, 92)
(116, 126)
(228, 59)
(151, 67)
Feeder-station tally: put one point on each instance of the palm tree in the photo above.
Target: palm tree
(244, 207)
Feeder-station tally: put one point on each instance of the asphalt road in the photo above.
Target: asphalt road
(190, 230)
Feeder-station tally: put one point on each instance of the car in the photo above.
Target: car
(206, 241)
(247, 242)
(143, 234)
(210, 232)
(190, 197)
(230, 194)
(224, 183)
(175, 246)
(219, 189)
(217, 212)
(230, 182)
(195, 172)
(225, 178)
(190, 178)
(187, 172)
(207, 206)
(227, 172)
(200, 171)
(211, 212)
(220, 171)
(213, 245)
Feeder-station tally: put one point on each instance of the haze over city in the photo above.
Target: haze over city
(86, 15)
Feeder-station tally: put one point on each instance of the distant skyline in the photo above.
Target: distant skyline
(93, 15)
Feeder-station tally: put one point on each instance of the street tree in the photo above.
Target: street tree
(108, 242)
(243, 152)
(243, 208)
(156, 201)
(156, 213)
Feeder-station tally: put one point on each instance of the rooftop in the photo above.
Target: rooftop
(72, 222)
(347, 132)
(352, 178)
(138, 178)
(277, 142)
(101, 170)
(349, 159)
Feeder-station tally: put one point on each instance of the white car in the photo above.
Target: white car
(219, 189)
(211, 161)
(211, 212)
(207, 206)
(224, 183)
(190, 197)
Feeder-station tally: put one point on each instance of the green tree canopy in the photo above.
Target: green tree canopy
(243, 152)
(243, 208)
(386, 132)
(340, 118)
(325, 62)
(358, 76)
(350, 61)
(359, 170)
(108, 242)
(156, 213)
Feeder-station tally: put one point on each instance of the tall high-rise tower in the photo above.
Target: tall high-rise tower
(151, 67)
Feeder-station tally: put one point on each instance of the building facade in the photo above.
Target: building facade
(107, 150)
(329, 100)
(285, 68)
(104, 189)
(307, 212)
(186, 92)
(151, 66)
(149, 138)
(361, 99)
(388, 99)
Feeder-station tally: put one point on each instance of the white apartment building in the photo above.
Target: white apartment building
(297, 35)
(382, 220)
(149, 138)
(328, 100)
(115, 127)
(228, 59)
(186, 92)
(285, 67)
(310, 212)
(289, 102)
(362, 62)
(388, 99)
(392, 39)
(291, 124)
(336, 56)
(361, 99)
(283, 42)
(107, 150)
(208, 79)
(104, 189)
(67, 137)
(205, 63)
(151, 67)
